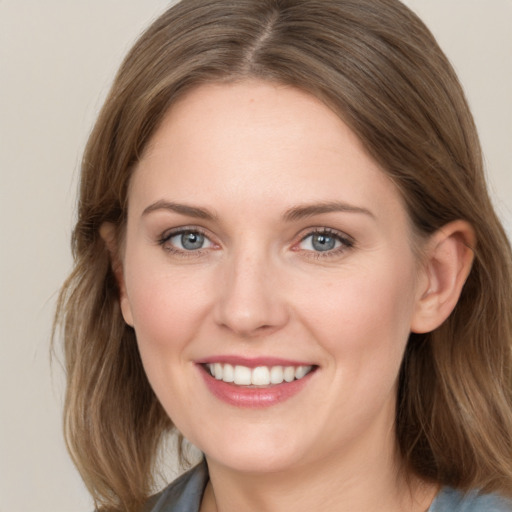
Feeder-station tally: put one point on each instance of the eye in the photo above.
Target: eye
(324, 241)
(186, 240)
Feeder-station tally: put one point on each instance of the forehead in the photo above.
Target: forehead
(252, 108)
(257, 141)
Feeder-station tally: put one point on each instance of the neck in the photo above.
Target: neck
(373, 482)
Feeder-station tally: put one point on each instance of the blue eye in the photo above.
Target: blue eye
(323, 241)
(188, 241)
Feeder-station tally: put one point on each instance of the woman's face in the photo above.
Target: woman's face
(265, 246)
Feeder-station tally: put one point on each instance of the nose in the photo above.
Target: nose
(250, 301)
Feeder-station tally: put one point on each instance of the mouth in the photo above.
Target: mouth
(259, 376)
(255, 382)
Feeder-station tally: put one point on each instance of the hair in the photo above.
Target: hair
(376, 65)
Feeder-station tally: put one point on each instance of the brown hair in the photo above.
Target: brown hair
(376, 65)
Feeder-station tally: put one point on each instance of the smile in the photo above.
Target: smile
(258, 376)
(255, 383)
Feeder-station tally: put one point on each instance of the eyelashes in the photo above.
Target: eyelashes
(325, 242)
(318, 242)
(186, 241)
(189, 240)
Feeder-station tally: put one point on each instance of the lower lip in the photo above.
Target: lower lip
(253, 397)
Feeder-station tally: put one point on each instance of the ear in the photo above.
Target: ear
(108, 234)
(448, 260)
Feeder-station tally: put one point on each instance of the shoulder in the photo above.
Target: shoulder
(182, 495)
(451, 500)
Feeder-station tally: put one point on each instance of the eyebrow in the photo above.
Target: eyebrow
(309, 210)
(183, 209)
(293, 214)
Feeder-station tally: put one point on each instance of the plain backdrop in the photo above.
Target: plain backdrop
(57, 59)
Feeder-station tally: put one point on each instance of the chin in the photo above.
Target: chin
(255, 455)
(255, 463)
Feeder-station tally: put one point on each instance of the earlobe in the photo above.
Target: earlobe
(108, 234)
(126, 309)
(448, 261)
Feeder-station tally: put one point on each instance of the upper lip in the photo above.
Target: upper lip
(252, 362)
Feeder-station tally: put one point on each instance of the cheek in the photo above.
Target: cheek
(364, 318)
(167, 314)
(166, 309)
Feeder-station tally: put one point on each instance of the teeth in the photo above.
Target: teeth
(259, 376)
(301, 371)
(242, 375)
(276, 375)
(289, 373)
(228, 373)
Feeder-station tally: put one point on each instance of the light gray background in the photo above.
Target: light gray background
(57, 59)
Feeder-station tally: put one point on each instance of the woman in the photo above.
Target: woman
(285, 250)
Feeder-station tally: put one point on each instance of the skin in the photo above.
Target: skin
(250, 153)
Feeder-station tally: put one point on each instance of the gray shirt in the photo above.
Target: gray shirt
(186, 492)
